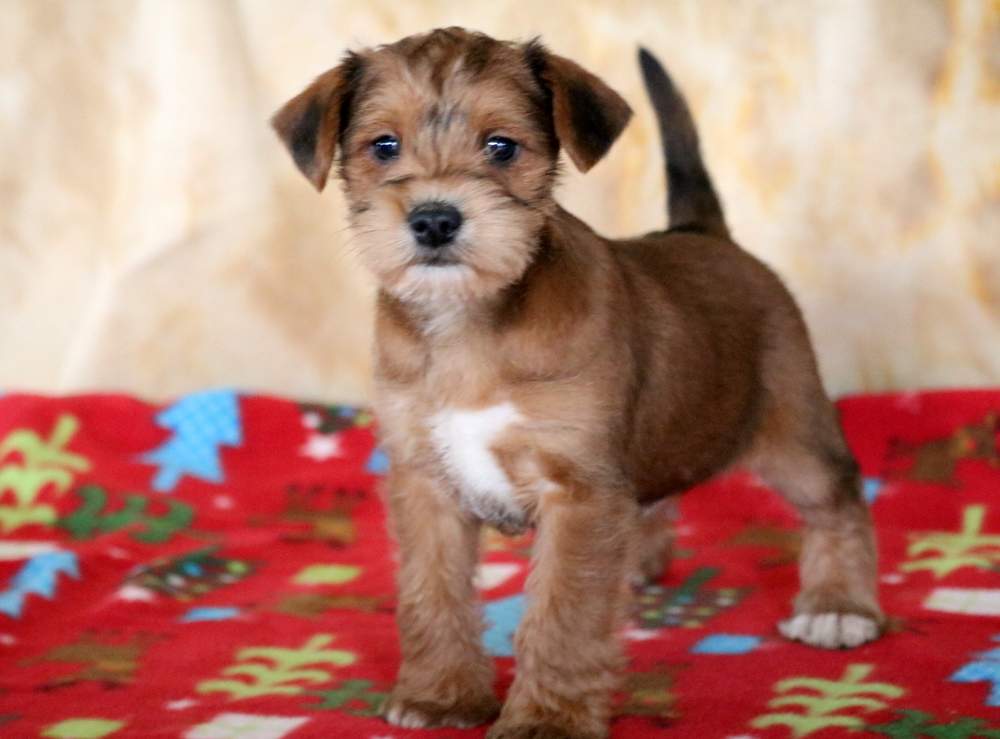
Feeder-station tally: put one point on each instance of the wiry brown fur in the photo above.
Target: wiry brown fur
(624, 371)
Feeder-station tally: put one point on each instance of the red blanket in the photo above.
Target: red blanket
(219, 567)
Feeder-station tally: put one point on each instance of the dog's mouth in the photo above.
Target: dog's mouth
(437, 259)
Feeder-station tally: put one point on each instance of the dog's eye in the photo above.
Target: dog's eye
(385, 148)
(500, 149)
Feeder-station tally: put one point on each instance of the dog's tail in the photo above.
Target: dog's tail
(692, 204)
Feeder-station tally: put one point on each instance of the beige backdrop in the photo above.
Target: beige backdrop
(154, 237)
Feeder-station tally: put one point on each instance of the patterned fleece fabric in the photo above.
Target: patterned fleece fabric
(219, 568)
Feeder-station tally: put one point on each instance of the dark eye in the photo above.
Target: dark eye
(500, 149)
(385, 148)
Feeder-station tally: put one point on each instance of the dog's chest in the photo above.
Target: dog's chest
(465, 441)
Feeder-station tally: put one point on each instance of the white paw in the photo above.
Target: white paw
(830, 630)
(423, 715)
(399, 715)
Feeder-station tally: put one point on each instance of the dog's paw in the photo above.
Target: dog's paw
(506, 730)
(409, 713)
(830, 630)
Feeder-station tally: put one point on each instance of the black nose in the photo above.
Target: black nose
(435, 224)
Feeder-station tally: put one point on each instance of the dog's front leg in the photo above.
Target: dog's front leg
(568, 651)
(446, 678)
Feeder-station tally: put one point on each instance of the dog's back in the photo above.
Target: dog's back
(710, 319)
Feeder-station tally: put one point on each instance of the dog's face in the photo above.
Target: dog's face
(448, 146)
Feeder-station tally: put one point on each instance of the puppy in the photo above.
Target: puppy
(531, 373)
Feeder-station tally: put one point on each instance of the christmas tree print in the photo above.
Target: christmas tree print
(93, 517)
(278, 671)
(502, 617)
(352, 696)
(917, 724)
(111, 663)
(823, 702)
(137, 598)
(39, 577)
(984, 668)
(202, 423)
(936, 460)
(949, 551)
(31, 465)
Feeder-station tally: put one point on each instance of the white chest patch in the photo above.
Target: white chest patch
(464, 438)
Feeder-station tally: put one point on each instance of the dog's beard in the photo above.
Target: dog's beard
(497, 242)
(440, 285)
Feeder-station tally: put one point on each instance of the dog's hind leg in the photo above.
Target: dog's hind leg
(801, 452)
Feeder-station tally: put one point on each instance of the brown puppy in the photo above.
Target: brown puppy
(532, 373)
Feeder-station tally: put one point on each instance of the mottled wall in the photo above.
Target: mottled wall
(155, 238)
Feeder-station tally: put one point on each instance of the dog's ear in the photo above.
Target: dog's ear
(312, 122)
(587, 115)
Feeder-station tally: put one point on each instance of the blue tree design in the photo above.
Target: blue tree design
(202, 423)
(984, 668)
(39, 577)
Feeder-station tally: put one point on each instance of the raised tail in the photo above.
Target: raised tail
(692, 204)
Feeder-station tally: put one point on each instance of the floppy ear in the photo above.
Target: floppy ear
(311, 123)
(588, 116)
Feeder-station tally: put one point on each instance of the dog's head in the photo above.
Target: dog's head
(448, 143)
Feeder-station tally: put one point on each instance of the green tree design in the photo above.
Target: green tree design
(93, 517)
(915, 724)
(43, 463)
(278, 671)
(823, 709)
(353, 696)
(951, 551)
